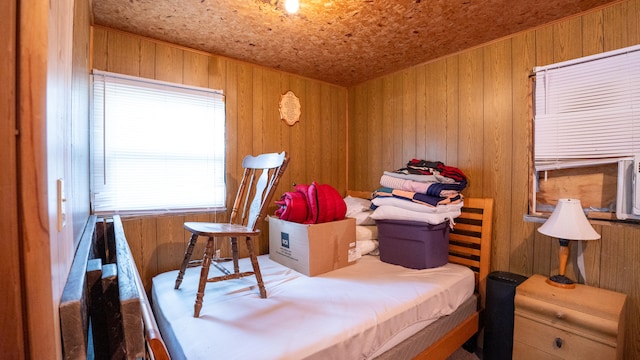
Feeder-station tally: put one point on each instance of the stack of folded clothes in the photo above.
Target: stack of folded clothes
(424, 191)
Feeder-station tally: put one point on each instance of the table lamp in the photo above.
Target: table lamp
(567, 222)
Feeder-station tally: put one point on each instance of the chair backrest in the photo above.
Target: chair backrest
(259, 182)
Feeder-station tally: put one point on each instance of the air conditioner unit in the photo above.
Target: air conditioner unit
(628, 194)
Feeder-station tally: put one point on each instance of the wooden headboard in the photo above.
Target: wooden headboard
(104, 309)
(470, 240)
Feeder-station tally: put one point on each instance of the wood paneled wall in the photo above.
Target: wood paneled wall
(472, 110)
(316, 144)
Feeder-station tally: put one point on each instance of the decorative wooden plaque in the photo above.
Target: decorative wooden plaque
(290, 107)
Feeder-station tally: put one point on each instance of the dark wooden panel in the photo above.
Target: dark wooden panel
(128, 296)
(74, 302)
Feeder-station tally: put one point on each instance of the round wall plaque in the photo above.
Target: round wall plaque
(290, 107)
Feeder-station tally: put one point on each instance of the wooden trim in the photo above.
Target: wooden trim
(446, 345)
(12, 340)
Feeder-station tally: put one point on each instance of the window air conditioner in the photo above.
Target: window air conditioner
(628, 194)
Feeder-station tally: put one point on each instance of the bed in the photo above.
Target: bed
(364, 311)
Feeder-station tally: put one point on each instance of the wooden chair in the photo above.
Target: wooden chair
(261, 176)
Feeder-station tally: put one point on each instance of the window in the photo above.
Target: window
(155, 146)
(588, 109)
(587, 117)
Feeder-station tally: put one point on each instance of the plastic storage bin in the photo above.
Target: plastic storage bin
(413, 244)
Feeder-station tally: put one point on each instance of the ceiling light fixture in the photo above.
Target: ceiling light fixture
(292, 6)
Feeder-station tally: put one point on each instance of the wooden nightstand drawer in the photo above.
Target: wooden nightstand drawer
(582, 323)
(557, 323)
(557, 343)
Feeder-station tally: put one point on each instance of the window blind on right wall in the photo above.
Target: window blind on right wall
(587, 110)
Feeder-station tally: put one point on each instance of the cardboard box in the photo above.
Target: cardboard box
(413, 244)
(313, 249)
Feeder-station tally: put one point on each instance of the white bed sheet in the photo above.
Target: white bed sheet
(356, 312)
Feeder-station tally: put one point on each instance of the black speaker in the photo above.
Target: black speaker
(498, 315)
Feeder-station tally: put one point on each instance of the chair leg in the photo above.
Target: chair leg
(204, 273)
(234, 251)
(256, 268)
(187, 258)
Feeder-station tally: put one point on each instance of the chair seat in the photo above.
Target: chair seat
(219, 229)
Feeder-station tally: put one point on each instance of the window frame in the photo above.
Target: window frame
(198, 156)
(602, 160)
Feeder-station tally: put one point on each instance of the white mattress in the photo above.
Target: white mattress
(356, 312)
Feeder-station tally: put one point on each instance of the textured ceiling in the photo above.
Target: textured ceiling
(343, 42)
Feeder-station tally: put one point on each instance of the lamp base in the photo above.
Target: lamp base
(561, 281)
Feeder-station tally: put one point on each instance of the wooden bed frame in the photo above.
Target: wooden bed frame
(469, 245)
(104, 307)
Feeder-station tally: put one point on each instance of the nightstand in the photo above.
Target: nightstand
(556, 323)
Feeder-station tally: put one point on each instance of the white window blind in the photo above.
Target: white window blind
(587, 111)
(155, 146)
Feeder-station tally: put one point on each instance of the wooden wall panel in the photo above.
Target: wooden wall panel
(487, 135)
(408, 115)
(421, 113)
(99, 48)
(148, 59)
(436, 111)
(252, 95)
(169, 63)
(542, 245)
(327, 135)
(389, 121)
(521, 246)
(339, 103)
(313, 132)
(374, 148)
(195, 69)
(567, 36)
(453, 112)
(297, 140)
(617, 26)
(284, 129)
(358, 156)
(471, 127)
(398, 122)
(498, 138)
(592, 33)
(121, 48)
(244, 111)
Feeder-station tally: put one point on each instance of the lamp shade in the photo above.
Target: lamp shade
(568, 221)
